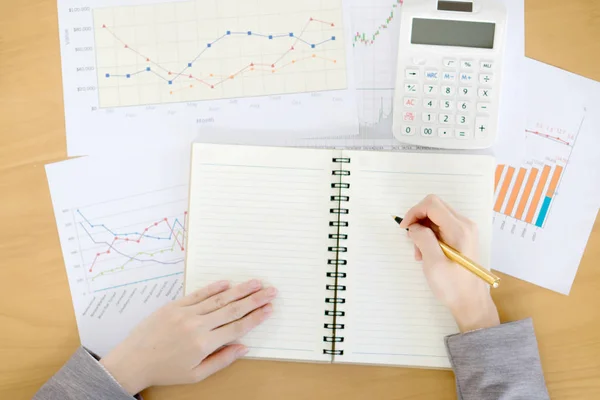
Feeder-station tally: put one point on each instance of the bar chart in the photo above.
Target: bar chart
(526, 193)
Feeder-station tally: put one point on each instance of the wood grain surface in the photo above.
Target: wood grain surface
(37, 326)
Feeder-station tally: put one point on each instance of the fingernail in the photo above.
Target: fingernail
(222, 284)
(242, 352)
(271, 292)
(268, 309)
(255, 284)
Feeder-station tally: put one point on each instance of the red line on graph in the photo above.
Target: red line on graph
(548, 136)
(138, 240)
(231, 76)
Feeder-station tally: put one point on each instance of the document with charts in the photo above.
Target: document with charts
(121, 224)
(149, 72)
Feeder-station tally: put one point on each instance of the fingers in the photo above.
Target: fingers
(418, 255)
(432, 208)
(426, 242)
(219, 360)
(202, 294)
(238, 329)
(238, 309)
(224, 298)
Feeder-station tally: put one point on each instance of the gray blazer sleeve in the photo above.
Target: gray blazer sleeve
(500, 363)
(82, 377)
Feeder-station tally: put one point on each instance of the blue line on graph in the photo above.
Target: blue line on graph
(210, 45)
(543, 212)
(110, 245)
(117, 234)
(133, 283)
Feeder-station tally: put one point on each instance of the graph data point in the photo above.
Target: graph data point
(189, 64)
(332, 24)
(292, 48)
(137, 241)
(191, 86)
(128, 75)
(211, 75)
(146, 230)
(333, 38)
(170, 73)
(311, 18)
(165, 219)
(108, 75)
(314, 55)
(270, 37)
(90, 270)
(291, 34)
(156, 223)
(147, 68)
(293, 61)
(212, 86)
(185, 213)
(147, 60)
(182, 249)
(208, 45)
(312, 46)
(103, 25)
(334, 61)
(229, 32)
(127, 239)
(273, 71)
(191, 76)
(249, 33)
(170, 82)
(272, 65)
(171, 92)
(97, 254)
(231, 77)
(126, 46)
(108, 252)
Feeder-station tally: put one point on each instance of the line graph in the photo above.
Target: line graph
(370, 38)
(226, 50)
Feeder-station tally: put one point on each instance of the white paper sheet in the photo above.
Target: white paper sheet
(121, 223)
(541, 228)
(145, 73)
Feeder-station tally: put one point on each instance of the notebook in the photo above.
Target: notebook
(316, 224)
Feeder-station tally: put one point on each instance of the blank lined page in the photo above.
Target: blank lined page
(259, 212)
(392, 316)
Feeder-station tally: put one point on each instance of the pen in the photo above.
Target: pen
(465, 262)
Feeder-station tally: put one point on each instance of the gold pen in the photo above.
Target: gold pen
(465, 262)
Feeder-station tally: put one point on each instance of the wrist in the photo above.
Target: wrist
(128, 373)
(476, 315)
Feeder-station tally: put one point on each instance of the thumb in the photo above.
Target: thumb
(426, 242)
(218, 360)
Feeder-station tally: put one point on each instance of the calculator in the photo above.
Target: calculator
(449, 73)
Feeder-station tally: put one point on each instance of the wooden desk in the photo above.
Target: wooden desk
(37, 325)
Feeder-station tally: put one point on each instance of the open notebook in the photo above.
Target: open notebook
(316, 224)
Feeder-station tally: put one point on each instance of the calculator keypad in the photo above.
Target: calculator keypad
(452, 101)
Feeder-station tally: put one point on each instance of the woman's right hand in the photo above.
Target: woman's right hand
(466, 295)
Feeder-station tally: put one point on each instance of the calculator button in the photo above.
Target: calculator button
(463, 120)
(487, 66)
(482, 126)
(429, 117)
(444, 132)
(446, 104)
(448, 90)
(446, 119)
(410, 102)
(466, 77)
(450, 63)
(411, 88)
(412, 74)
(409, 116)
(426, 131)
(485, 79)
(463, 106)
(429, 103)
(419, 61)
(430, 89)
(484, 93)
(462, 133)
(483, 108)
(432, 75)
(408, 130)
(449, 76)
(466, 64)
(464, 91)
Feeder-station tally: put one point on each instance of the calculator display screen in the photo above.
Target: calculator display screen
(441, 32)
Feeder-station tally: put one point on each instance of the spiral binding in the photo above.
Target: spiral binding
(336, 301)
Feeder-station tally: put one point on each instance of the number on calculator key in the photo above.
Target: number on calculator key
(446, 104)
(429, 103)
(426, 131)
(464, 91)
(448, 90)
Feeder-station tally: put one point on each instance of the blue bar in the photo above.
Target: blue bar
(543, 212)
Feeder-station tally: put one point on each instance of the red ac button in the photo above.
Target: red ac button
(410, 102)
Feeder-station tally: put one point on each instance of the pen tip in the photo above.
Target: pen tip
(393, 216)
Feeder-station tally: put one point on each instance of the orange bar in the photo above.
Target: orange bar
(526, 192)
(504, 189)
(499, 171)
(515, 192)
(538, 194)
(554, 182)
